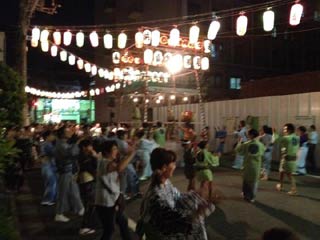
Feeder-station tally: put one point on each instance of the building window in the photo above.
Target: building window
(235, 83)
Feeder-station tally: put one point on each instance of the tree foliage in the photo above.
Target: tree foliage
(12, 96)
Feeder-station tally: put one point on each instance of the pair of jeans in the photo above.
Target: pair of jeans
(50, 182)
(267, 158)
(109, 215)
(132, 180)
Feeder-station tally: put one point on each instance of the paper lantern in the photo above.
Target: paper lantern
(34, 43)
(94, 39)
(101, 72)
(194, 34)
(175, 64)
(185, 99)
(106, 74)
(63, 56)
(54, 51)
(172, 97)
(268, 20)
(295, 14)
(147, 37)
(204, 63)
(80, 64)
(139, 40)
(155, 38)
(174, 37)
(87, 67)
(242, 23)
(45, 46)
(148, 56)
(44, 35)
(35, 35)
(80, 39)
(72, 60)
(91, 92)
(122, 40)
(213, 29)
(67, 38)
(107, 41)
(197, 62)
(116, 57)
(187, 61)
(57, 37)
(94, 70)
(157, 58)
(206, 46)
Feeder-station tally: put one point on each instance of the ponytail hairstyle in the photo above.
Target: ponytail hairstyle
(160, 157)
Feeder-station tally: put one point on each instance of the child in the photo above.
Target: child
(205, 161)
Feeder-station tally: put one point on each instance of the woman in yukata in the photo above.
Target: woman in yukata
(166, 213)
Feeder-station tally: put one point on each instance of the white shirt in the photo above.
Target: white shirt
(313, 137)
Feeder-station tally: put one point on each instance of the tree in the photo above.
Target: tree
(12, 97)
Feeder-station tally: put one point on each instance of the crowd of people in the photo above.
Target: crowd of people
(93, 170)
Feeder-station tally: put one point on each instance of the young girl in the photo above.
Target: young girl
(205, 161)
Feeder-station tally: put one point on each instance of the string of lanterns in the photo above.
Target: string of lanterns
(49, 94)
(153, 37)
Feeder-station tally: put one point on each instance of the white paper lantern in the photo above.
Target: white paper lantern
(148, 56)
(157, 58)
(101, 72)
(91, 92)
(174, 37)
(87, 67)
(185, 99)
(116, 57)
(187, 61)
(175, 64)
(57, 37)
(172, 97)
(197, 62)
(205, 63)
(72, 60)
(44, 35)
(80, 64)
(35, 35)
(155, 38)
(63, 56)
(67, 38)
(45, 46)
(54, 51)
(295, 14)
(34, 43)
(94, 70)
(206, 46)
(213, 29)
(139, 40)
(122, 40)
(106, 74)
(242, 23)
(194, 34)
(80, 39)
(94, 39)
(147, 37)
(107, 41)
(268, 20)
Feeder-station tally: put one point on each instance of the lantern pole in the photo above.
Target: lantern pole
(145, 92)
(201, 104)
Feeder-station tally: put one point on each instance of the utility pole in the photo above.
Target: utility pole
(26, 10)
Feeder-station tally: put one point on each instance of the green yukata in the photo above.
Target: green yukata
(253, 152)
(289, 146)
(205, 161)
(159, 136)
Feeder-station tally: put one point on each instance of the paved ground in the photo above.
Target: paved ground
(233, 218)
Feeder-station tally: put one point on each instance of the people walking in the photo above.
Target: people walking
(108, 199)
(253, 151)
(313, 141)
(242, 136)
(66, 153)
(302, 151)
(266, 139)
(48, 169)
(289, 145)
